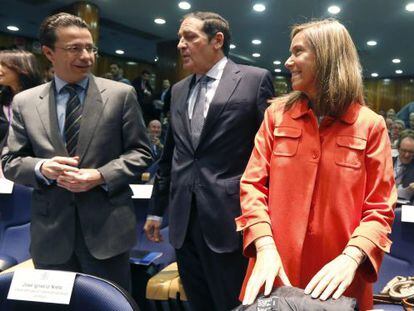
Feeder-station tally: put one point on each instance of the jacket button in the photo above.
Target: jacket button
(315, 154)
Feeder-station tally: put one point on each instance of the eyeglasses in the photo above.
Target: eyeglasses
(78, 49)
(410, 152)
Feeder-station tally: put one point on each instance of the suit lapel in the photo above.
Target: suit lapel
(183, 122)
(46, 109)
(228, 83)
(92, 110)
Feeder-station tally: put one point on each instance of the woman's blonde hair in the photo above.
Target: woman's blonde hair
(338, 70)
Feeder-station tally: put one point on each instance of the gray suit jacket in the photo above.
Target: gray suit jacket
(112, 139)
(211, 172)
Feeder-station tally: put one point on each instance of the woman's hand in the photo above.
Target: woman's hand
(335, 277)
(268, 265)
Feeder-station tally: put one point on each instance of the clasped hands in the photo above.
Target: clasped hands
(332, 280)
(67, 174)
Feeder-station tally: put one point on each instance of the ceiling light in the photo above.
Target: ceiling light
(256, 41)
(398, 71)
(374, 74)
(159, 21)
(334, 9)
(184, 5)
(131, 63)
(410, 7)
(396, 60)
(277, 62)
(156, 59)
(372, 43)
(13, 28)
(120, 52)
(259, 7)
(256, 54)
(232, 46)
(278, 70)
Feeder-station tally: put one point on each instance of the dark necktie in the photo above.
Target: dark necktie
(72, 119)
(197, 120)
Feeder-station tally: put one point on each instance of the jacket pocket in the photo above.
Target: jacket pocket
(349, 151)
(232, 186)
(286, 141)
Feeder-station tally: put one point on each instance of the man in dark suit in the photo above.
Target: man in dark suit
(145, 95)
(215, 114)
(79, 141)
(404, 165)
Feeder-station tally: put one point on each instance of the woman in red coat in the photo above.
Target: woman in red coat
(318, 192)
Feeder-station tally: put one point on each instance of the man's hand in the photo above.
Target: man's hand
(80, 181)
(267, 267)
(152, 230)
(56, 166)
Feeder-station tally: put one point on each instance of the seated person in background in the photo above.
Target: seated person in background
(154, 133)
(391, 114)
(396, 128)
(411, 121)
(404, 165)
(117, 73)
(404, 113)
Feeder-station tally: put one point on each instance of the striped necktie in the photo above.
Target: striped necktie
(197, 120)
(72, 119)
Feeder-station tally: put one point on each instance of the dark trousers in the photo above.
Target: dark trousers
(212, 281)
(115, 269)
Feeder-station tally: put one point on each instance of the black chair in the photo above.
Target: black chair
(89, 294)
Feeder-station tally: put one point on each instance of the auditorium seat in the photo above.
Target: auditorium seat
(15, 226)
(89, 293)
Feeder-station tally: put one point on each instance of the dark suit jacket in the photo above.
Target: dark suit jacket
(112, 139)
(212, 171)
(4, 128)
(408, 176)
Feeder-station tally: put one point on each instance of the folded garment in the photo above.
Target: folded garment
(287, 298)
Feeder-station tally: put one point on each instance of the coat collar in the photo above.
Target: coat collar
(93, 105)
(301, 108)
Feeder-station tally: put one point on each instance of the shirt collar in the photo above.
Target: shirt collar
(59, 83)
(216, 71)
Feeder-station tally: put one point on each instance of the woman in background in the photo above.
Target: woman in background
(18, 71)
(318, 192)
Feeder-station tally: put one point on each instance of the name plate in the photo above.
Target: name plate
(407, 213)
(141, 191)
(42, 286)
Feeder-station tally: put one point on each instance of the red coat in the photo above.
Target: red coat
(317, 190)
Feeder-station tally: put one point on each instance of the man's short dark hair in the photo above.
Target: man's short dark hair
(145, 72)
(405, 134)
(214, 23)
(116, 64)
(47, 32)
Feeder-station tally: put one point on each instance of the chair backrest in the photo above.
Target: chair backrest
(89, 293)
(15, 214)
(400, 260)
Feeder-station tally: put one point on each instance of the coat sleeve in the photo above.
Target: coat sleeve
(255, 220)
(136, 156)
(19, 162)
(378, 208)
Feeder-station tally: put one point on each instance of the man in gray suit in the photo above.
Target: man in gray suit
(79, 141)
(215, 114)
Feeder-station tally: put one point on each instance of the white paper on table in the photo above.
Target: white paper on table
(42, 286)
(6, 186)
(141, 191)
(407, 213)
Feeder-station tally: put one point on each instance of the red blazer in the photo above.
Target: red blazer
(317, 189)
